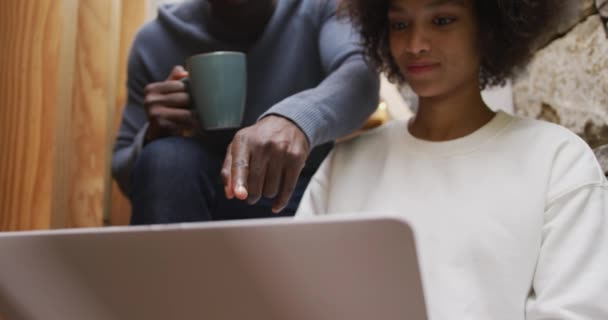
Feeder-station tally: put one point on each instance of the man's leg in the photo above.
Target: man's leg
(174, 180)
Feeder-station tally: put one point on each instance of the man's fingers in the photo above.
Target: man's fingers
(170, 128)
(266, 160)
(272, 181)
(240, 167)
(294, 163)
(182, 117)
(258, 167)
(160, 101)
(290, 178)
(226, 174)
(169, 86)
(174, 99)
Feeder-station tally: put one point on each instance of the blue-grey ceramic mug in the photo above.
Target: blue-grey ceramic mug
(217, 84)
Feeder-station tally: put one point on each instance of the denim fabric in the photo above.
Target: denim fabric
(178, 180)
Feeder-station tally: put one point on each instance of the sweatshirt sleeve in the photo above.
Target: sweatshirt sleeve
(347, 96)
(315, 199)
(571, 278)
(130, 139)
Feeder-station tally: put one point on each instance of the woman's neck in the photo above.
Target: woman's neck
(450, 116)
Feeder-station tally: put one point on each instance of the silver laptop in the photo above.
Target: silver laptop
(272, 269)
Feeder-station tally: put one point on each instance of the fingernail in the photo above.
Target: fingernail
(241, 189)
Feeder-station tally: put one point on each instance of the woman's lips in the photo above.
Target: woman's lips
(421, 68)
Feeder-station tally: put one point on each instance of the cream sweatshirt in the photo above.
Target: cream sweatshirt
(511, 220)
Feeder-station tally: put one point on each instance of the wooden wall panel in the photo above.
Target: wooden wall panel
(30, 60)
(63, 120)
(92, 112)
(133, 15)
(62, 89)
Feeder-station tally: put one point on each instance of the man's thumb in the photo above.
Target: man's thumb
(178, 73)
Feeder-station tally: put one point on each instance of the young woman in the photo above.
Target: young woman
(511, 214)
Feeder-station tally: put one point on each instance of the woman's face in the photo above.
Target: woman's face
(435, 44)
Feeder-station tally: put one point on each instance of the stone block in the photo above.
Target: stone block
(572, 12)
(567, 83)
(602, 156)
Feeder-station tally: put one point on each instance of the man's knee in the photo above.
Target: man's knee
(174, 156)
(173, 181)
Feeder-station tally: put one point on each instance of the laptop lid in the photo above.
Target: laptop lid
(330, 268)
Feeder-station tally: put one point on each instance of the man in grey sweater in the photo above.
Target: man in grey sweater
(307, 85)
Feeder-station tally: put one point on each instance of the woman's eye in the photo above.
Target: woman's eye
(398, 25)
(442, 21)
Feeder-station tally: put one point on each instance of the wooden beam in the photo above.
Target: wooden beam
(31, 33)
(93, 103)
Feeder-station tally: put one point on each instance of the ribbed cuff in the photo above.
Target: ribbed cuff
(311, 123)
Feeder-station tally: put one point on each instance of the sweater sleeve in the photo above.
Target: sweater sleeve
(315, 199)
(571, 281)
(130, 139)
(342, 102)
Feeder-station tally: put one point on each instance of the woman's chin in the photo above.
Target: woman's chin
(424, 87)
(426, 91)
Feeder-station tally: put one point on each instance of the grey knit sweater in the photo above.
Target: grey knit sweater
(306, 66)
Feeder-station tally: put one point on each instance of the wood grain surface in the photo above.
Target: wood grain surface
(58, 94)
(92, 111)
(31, 38)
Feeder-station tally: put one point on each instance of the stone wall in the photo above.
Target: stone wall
(573, 11)
(567, 81)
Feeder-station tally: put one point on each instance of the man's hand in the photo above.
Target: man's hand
(265, 160)
(166, 105)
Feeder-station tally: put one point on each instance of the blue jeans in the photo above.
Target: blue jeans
(178, 180)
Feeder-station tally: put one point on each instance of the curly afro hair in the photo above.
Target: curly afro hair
(508, 32)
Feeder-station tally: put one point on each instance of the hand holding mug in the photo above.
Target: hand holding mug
(167, 106)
